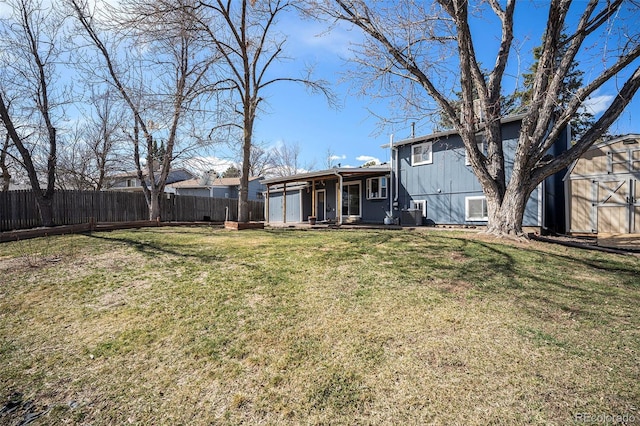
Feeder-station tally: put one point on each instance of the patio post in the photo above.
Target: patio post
(313, 197)
(284, 202)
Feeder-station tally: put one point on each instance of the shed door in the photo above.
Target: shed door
(617, 206)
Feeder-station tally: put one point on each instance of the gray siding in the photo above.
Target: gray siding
(276, 207)
(372, 211)
(256, 189)
(299, 204)
(196, 192)
(448, 181)
(225, 192)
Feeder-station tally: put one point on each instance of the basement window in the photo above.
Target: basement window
(476, 209)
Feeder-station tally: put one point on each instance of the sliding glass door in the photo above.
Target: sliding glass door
(351, 201)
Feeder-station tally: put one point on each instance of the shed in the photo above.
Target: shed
(604, 189)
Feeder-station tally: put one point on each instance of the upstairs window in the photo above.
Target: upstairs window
(377, 188)
(422, 154)
(481, 147)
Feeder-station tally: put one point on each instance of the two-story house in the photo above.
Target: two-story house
(428, 181)
(433, 177)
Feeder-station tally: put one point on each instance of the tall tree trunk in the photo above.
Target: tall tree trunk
(44, 199)
(505, 218)
(6, 176)
(243, 201)
(154, 204)
(45, 207)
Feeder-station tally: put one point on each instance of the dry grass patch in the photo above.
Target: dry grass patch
(202, 326)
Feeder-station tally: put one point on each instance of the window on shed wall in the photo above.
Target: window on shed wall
(618, 161)
(377, 188)
(635, 160)
(476, 208)
(422, 154)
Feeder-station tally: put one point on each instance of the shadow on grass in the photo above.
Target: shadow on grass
(601, 289)
(154, 249)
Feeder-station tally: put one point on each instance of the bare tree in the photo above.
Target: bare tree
(414, 47)
(330, 158)
(94, 150)
(175, 71)
(28, 96)
(260, 163)
(244, 32)
(5, 173)
(286, 161)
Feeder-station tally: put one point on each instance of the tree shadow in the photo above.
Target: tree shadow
(547, 283)
(154, 249)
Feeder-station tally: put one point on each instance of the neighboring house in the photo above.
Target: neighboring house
(436, 184)
(336, 195)
(210, 185)
(604, 188)
(428, 179)
(19, 186)
(129, 181)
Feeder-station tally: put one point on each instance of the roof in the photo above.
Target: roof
(343, 171)
(174, 175)
(630, 136)
(447, 133)
(617, 139)
(206, 182)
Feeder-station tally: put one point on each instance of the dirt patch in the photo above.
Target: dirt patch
(454, 287)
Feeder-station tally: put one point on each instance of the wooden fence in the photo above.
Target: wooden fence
(18, 209)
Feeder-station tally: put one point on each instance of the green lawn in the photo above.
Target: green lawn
(206, 326)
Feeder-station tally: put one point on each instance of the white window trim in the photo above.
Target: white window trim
(379, 195)
(481, 148)
(420, 205)
(427, 145)
(466, 209)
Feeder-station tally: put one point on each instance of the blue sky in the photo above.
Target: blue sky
(351, 133)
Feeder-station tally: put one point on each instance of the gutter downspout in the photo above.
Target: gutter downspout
(397, 179)
(392, 183)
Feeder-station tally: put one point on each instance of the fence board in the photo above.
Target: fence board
(18, 209)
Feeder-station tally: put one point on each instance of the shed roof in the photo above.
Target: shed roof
(612, 141)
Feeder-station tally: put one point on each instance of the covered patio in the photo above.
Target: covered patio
(338, 195)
